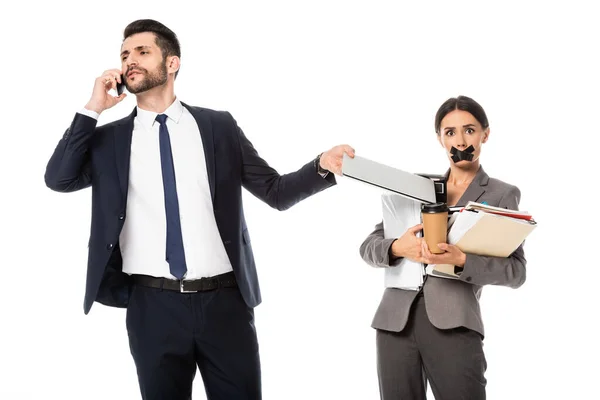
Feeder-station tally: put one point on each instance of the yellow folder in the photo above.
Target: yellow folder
(488, 234)
(484, 234)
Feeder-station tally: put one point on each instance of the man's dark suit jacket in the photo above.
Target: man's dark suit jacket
(98, 156)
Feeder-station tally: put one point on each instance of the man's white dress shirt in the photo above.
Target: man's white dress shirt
(143, 237)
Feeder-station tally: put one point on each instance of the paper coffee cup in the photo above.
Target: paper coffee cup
(435, 225)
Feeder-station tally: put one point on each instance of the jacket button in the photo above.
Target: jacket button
(469, 279)
(109, 246)
(121, 216)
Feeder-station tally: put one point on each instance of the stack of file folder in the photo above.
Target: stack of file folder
(485, 230)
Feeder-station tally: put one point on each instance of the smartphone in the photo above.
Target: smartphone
(121, 86)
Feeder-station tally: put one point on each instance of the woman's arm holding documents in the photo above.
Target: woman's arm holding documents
(504, 271)
(484, 270)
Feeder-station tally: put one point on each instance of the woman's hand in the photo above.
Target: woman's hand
(409, 245)
(452, 255)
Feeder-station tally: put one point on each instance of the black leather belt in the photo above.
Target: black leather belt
(187, 286)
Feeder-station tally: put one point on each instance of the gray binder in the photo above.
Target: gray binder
(404, 183)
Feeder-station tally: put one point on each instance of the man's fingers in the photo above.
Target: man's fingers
(108, 80)
(120, 97)
(339, 150)
(112, 71)
(349, 150)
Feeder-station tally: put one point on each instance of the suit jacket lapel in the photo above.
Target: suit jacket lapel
(122, 135)
(475, 189)
(124, 132)
(208, 143)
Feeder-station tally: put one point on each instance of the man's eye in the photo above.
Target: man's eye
(470, 130)
(449, 133)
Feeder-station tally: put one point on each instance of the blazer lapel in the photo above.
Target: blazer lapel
(122, 135)
(208, 143)
(475, 189)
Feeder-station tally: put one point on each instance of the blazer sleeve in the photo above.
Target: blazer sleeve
(69, 168)
(278, 191)
(503, 271)
(375, 250)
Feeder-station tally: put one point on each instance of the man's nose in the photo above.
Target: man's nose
(131, 62)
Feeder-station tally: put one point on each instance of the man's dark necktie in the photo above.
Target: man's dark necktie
(175, 254)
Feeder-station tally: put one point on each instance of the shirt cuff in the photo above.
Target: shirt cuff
(89, 113)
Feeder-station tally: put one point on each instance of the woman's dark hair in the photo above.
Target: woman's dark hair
(166, 39)
(463, 103)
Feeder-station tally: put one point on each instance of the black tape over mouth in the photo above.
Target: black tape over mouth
(460, 155)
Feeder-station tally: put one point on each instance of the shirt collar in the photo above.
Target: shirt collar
(173, 112)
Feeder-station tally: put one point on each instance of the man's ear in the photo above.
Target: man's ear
(173, 64)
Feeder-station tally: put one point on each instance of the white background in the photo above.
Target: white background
(301, 77)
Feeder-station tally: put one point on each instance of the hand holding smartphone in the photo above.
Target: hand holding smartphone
(101, 99)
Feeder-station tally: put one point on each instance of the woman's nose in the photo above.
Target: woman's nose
(460, 141)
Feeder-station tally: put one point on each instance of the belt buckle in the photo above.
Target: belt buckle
(182, 290)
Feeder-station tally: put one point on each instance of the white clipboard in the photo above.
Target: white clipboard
(400, 182)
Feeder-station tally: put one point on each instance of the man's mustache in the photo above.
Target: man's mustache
(138, 70)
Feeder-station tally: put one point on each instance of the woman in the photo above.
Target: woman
(436, 334)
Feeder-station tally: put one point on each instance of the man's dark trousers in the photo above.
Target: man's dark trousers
(170, 333)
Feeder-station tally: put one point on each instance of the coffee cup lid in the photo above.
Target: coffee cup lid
(434, 208)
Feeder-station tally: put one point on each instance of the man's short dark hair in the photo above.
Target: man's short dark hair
(166, 39)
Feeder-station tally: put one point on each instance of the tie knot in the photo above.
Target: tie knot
(161, 118)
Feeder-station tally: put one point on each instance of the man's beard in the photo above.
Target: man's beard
(150, 81)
